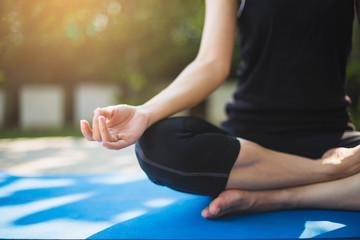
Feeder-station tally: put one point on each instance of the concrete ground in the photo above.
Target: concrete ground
(63, 155)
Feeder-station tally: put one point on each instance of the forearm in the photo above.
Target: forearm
(210, 68)
(197, 81)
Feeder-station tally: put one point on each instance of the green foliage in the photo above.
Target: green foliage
(137, 81)
(353, 89)
(135, 43)
(353, 71)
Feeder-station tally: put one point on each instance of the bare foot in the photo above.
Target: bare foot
(243, 202)
(342, 194)
(229, 201)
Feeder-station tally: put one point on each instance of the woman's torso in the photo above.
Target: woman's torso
(291, 78)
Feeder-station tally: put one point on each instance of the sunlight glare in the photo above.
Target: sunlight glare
(35, 144)
(119, 179)
(159, 202)
(101, 21)
(30, 184)
(14, 212)
(315, 228)
(114, 8)
(54, 229)
(122, 217)
(62, 158)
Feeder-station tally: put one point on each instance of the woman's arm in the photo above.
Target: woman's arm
(120, 126)
(209, 69)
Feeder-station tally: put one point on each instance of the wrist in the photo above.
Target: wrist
(146, 113)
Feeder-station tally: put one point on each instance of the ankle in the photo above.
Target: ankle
(284, 199)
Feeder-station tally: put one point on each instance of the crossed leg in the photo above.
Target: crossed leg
(341, 194)
(259, 168)
(191, 155)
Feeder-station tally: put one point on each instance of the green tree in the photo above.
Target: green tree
(138, 44)
(353, 77)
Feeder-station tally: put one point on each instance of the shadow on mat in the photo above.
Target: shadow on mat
(131, 207)
(83, 205)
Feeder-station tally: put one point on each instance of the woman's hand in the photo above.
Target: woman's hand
(116, 127)
(120, 126)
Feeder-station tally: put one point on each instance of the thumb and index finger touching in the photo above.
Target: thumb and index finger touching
(100, 131)
(94, 133)
(110, 141)
(107, 112)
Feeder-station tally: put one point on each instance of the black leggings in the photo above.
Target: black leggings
(188, 154)
(191, 155)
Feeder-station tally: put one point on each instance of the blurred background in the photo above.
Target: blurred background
(60, 59)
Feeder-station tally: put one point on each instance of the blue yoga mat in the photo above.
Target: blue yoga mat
(131, 207)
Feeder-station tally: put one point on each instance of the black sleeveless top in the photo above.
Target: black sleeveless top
(291, 78)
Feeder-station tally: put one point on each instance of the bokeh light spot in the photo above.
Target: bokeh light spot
(114, 8)
(101, 21)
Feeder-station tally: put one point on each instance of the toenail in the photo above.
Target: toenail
(205, 214)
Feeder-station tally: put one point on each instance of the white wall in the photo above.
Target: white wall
(90, 96)
(41, 106)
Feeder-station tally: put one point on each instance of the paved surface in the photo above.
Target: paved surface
(63, 155)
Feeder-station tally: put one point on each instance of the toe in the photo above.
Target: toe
(214, 209)
(205, 213)
(228, 202)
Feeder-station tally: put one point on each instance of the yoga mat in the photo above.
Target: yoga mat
(182, 221)
(129, 206)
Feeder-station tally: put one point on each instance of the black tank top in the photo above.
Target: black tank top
(291, 78)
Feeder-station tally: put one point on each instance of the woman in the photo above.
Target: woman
(289, 109)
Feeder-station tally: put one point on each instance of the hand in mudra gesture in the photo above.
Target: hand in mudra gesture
(116, 127)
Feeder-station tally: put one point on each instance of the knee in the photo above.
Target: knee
(175, 144)
(173, 153)
(160, 154)
(163, 150)
(161, 142)
(168, 170)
